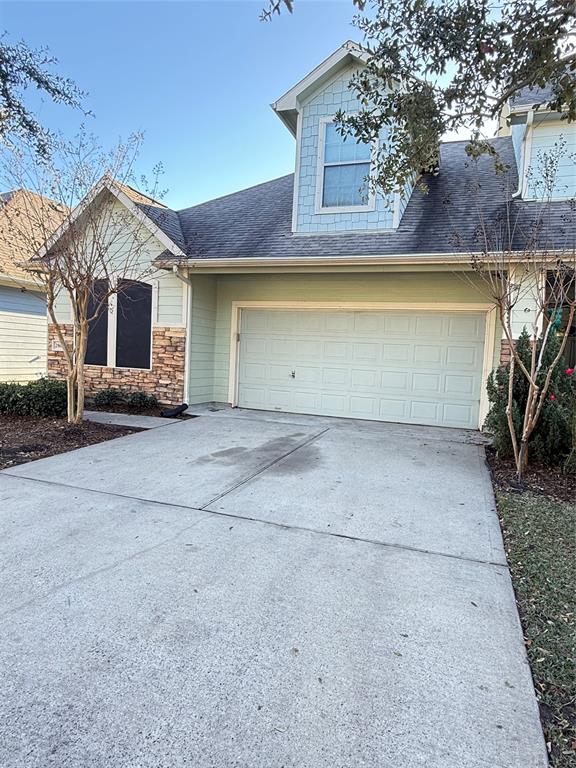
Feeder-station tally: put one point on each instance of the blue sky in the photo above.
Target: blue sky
(198, 77)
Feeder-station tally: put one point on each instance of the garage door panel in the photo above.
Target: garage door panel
(393, 410)
(254, 372)
(365, 379)
(336, 350)
(335, 405)
(428, 353)
(255, 397)
(279, 374)
(421, 368)
(366, 351)
(398, 325)
(466, 327)
(462, 356)
(394, 380)
(457, 414)
(426, 383)
(430, 326)
(255, 320)
(401, 353)
(368, 323)
(309, 376)
(424, 412)
(280, 398)
(256, 347)
(335, 377)
(304, 402)
(339, 322)
(364, 407)
(460, 385)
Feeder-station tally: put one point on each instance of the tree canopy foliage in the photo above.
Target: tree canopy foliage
(439, 66)
(22, 67)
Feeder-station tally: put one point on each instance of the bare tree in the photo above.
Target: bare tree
(526, 260)
(88, 246)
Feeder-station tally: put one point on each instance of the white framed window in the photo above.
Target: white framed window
(120, 336)
(343, 167)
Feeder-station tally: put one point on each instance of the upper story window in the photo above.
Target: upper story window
(344, 166)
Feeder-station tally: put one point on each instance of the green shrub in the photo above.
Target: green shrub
(142, 401)
(551, 440)
(45, 397)
(108, 397)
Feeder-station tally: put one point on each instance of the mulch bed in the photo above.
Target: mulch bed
(549, 481)
(123, 408)
(27, 439)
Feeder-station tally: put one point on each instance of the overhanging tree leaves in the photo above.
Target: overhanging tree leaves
(437, 66)
(22, 67)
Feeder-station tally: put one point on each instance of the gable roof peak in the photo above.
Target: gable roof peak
(286, 107)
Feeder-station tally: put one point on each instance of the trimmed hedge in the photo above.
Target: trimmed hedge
(42, 398)
(136, 401)
(142, 401)
(108, 397)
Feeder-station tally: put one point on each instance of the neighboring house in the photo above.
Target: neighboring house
(305, 295)
(23, 329)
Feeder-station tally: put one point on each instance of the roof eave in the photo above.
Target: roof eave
(348, 53)
(323, 261)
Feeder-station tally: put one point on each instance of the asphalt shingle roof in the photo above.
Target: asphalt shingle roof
(26, 219)
(165, 218)
(528, 97)
(257, 222)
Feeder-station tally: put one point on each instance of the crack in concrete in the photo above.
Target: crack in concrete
(249, 518)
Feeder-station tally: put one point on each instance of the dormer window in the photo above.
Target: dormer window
(343, 168)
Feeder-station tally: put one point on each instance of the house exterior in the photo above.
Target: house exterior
(23, 333)
(308, 294)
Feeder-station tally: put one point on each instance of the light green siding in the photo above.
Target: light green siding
(120, 233)
(62, 307)
(23, 335)
(215, 301)
(202, 332)
(171, 309)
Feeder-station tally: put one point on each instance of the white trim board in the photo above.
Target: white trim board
(375, 306)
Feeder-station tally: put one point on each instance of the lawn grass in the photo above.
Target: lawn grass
(540, 538)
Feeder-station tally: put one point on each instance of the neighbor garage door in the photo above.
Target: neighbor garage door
(419, 368)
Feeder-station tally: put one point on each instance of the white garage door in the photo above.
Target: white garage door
(418, 368)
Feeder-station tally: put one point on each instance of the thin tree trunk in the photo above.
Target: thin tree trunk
(71, 395)
(522, 463)
(509, 406)
(80, 378)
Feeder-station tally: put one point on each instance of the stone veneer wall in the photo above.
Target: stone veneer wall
(165, 379)
(505, 352)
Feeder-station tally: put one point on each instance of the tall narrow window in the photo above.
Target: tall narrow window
(346, 164)
(97, 347)
(133, 324)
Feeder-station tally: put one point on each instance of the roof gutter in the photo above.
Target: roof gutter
(323, 261)
(19, 282)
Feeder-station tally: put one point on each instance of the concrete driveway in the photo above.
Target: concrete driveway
(245, 590)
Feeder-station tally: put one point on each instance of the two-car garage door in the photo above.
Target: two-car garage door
(419, 368)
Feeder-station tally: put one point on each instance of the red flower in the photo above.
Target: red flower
(569, 371)
(552, 397)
